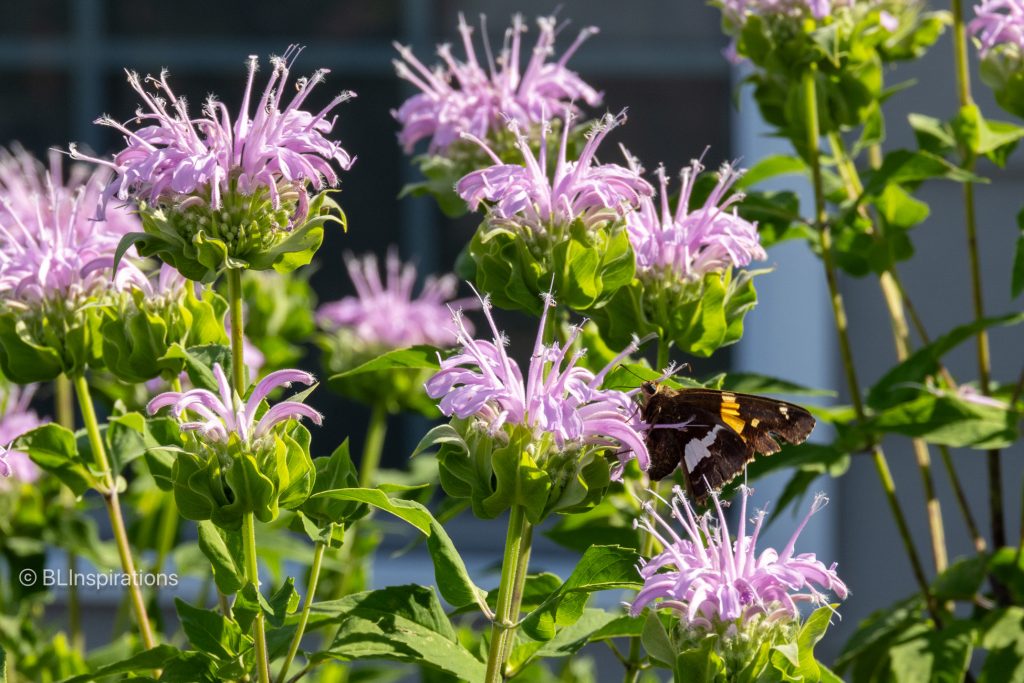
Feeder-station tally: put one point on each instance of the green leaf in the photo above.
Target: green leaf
(812, 631)
(210, 631)
(866, 653)
(1003, 637)
(700, 664)
(948, 420)
(283, 602)
(961, 580)
(453, 580)
(904, 381)
(55, 449)
(656, 640)
(228, 572)
(994, 139)
(335, 472)
(1017, 278)
(932, 134)
(600, 568)
(421, 357)
(937, 656)
(404, 624)
(569, 640)
(770, 167)
(905, 167)
(142, 663)
(753, 383)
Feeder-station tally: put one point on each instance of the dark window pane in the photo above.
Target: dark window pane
(298, 20)
(36, 108)
(40, 18)
(639, 22)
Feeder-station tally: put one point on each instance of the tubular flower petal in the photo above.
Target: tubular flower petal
(998, 23)
(557, 400)
(223, 414)
(171, 157)
(469, 97)
(16, 418)
(710, 578)
(692, 242)
(540, 198)
(51, 248)
(385, 314)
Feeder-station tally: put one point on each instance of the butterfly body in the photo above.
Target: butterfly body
(713, 434)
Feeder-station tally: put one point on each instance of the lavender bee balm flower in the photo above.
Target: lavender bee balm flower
(213, 190)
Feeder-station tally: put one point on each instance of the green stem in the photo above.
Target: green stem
(518, 587)
(961, 501)
(892, 294)
(664, 352)
(503, 626)
(901, 336)
(113, 504)
(64, 406)
(237, 330)
(64, 409)
(252, 575)
(314, 578)
(963, 80)
(648, 546)
(839, 314)
(373, 446)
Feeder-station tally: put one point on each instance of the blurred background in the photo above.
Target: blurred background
(61, 66)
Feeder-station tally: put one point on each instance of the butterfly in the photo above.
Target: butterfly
(713, 434)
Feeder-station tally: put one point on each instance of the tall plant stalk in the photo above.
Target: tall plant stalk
(373, 447)
(517, 540)
(300, 629)
(64, 410)
(892, 295)
(839, 314)
(963, 91)
(113, 505)
(252, 571)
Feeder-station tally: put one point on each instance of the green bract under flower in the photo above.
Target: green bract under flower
(495, 474)
(699, 317)
(585, 265)
(848, 48)
(146, 333)
(246, 232)
(240, 457)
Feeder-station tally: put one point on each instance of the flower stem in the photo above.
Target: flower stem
(252, 575)
(113, 504)
(64, 409)
(237, 329)
(963, 80)
(961, 500)
(839, 314)
(314, 578)
(664, 352)
(901, 337)
(374, 445)
(252, 571)
(503, 626)
(518, 586)
(893, 296)
(63, 401)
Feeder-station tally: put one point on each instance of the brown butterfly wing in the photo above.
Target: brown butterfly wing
(724, 431)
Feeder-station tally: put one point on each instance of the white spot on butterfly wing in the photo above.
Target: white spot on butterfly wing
(697, 449)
